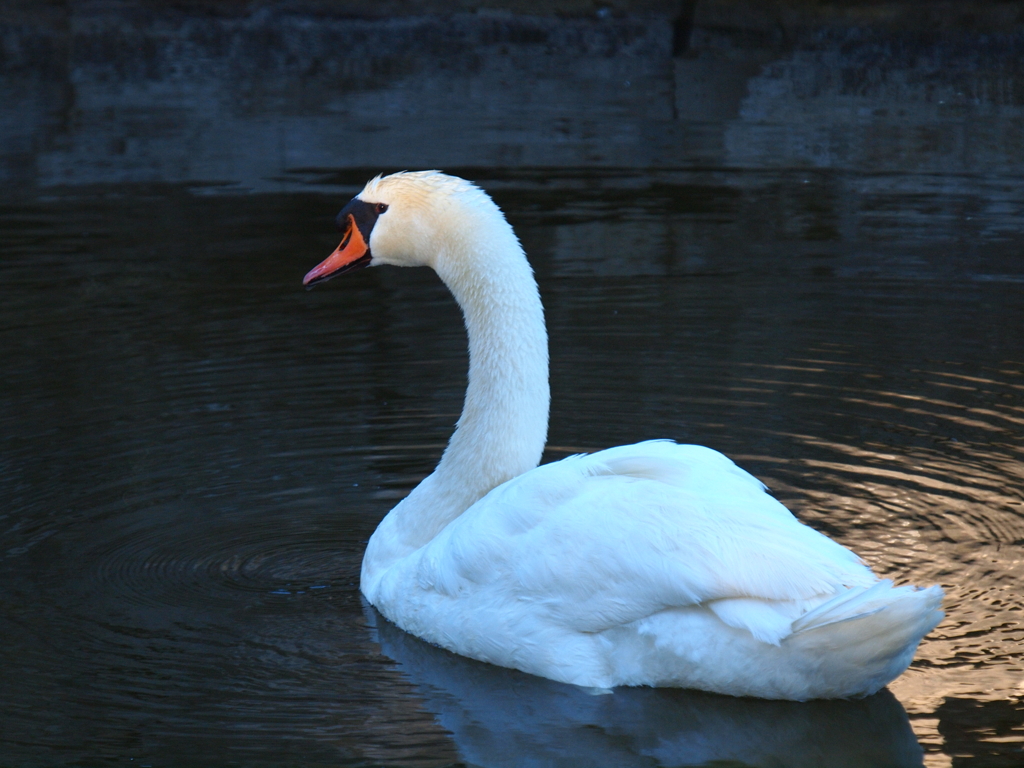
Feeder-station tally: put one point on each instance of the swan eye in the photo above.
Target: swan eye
(381, 207)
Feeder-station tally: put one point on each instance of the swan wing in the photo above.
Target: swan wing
(601, 540)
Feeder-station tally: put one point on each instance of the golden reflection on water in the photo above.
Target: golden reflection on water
(952, 515)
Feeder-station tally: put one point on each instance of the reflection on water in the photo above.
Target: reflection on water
(807, 255)
(501, 717)
(195, 452)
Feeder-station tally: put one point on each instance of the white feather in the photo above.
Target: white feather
(646, 564)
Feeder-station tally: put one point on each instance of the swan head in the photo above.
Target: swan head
(410, 219)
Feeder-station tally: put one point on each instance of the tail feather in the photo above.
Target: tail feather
(860, 602)
(853, 603)
(868, 635)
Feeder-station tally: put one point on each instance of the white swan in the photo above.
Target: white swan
(648, 564)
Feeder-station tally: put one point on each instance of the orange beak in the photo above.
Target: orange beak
(351, 254)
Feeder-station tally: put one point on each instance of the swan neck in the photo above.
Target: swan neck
(503, 426)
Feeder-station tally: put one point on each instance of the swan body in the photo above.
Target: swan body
(648, 564)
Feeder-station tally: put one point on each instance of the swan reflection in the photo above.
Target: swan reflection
(502, 717)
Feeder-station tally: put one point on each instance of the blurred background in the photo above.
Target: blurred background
(792, 230)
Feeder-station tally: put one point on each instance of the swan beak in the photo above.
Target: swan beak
(351, 254)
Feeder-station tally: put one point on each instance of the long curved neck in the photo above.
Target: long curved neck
(504, 421)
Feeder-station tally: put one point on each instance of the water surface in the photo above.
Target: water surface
(196, 450)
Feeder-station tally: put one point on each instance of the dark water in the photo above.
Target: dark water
(195, 450)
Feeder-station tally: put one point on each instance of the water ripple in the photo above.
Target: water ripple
(144, 567)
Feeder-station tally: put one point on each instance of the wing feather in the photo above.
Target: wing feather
(602, 540)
